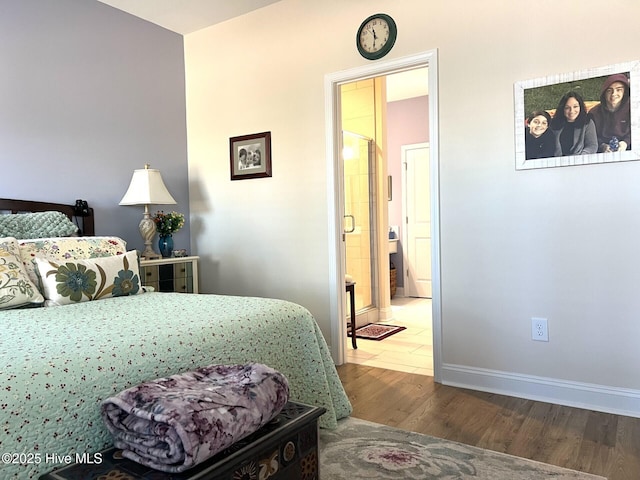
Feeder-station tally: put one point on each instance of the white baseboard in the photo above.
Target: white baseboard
(399, 292)
(620, 401)
(385, 314)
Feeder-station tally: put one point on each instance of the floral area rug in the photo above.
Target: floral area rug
(377, 331)
(358, 449)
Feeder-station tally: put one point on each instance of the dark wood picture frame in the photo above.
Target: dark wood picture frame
(250, 156)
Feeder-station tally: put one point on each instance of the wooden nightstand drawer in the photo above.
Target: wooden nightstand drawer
(183, 285)
(150, 274)
(182, 270)
(171, 274)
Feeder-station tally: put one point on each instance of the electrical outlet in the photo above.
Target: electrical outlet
(539, 329)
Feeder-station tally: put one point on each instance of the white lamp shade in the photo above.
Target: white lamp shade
(147, 188)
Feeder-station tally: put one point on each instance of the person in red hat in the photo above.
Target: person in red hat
(612, 116)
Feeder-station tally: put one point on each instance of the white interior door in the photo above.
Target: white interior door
(417, 231)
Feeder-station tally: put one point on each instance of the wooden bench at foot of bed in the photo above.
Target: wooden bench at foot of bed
(287, 448)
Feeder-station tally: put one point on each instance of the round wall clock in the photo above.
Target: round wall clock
(376, 36)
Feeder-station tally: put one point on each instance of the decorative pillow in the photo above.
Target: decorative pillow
(16, 289)
(37, 225)
(71, 248)
(77, 281)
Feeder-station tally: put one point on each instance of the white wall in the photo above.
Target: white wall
(561, 243)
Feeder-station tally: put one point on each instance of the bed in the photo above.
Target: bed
(58, 363)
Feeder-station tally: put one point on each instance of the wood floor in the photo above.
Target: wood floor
(598, 443)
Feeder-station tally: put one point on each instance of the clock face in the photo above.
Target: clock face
(376, 36)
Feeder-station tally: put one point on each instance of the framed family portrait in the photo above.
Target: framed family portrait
(579, 118)
(250, 156)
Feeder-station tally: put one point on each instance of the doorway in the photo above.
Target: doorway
(336, 202)
(394, 109)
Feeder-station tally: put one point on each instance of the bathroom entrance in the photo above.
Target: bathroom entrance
(357, 99)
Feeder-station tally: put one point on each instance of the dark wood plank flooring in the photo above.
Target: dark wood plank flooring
(594, 442)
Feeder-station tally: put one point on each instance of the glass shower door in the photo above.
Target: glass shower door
(359, 222)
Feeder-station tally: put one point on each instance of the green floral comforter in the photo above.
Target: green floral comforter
(58, 363)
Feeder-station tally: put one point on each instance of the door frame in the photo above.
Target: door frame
(335, 194)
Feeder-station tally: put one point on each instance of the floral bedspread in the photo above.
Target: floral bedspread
(57, 364)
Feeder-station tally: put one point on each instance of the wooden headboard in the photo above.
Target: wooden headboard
(84, 222)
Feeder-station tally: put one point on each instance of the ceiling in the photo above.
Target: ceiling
(187, 16)
(409, 84)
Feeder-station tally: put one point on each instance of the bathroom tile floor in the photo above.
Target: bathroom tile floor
(410, 350)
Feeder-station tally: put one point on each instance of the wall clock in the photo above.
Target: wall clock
(376, 36)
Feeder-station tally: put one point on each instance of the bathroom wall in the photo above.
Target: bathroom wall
(363, 110)
(407, 123)
(358, 116)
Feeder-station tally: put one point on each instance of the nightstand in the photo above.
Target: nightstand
(175, 274)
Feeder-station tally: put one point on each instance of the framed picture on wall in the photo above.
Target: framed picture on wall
(586, 117)
(250, 156)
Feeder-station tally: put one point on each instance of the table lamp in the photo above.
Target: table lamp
(147, 188)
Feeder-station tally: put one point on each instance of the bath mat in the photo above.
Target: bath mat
(377, 331)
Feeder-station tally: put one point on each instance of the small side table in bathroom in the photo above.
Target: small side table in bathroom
(351, 290)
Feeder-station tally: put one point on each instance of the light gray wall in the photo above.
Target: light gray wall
(87, 94)
(559, 243)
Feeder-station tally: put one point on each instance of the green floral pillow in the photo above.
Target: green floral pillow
(76, 281)
(64, 249)
(16, 289)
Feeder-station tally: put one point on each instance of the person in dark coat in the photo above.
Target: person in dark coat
(539, 140)
(574, 129)
(612, 117)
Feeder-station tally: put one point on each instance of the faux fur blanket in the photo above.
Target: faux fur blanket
(175, 423)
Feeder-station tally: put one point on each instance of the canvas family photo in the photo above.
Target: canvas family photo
(575, 119)
(250, 156)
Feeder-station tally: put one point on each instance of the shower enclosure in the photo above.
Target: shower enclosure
(360, 219)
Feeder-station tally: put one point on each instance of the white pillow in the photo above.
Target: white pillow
(74, 281)
(16, 289)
